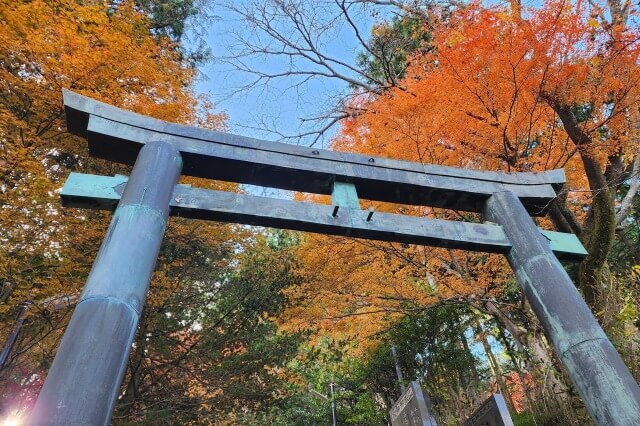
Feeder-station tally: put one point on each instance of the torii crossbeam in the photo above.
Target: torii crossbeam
(84, 379)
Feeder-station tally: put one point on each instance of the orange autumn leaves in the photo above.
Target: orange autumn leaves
(110, 56)
(482, 99)
(478, 99)
(354, 289)
(106, 52)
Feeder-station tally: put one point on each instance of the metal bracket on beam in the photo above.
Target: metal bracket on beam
(345, 195)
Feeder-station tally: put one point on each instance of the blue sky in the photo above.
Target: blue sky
(278, 106)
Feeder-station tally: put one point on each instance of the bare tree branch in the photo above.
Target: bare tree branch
(291, 41)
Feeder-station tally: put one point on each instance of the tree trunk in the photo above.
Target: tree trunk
(541, 359)
(493, 362)
(599, 230)
(474, 370)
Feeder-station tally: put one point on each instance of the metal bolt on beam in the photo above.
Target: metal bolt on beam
(370, 214)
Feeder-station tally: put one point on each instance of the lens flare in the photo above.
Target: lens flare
(10, 421)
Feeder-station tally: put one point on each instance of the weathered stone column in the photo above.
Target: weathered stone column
(608, 389)
(84, 380)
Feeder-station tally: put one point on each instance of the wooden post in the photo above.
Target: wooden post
(608, 389)
(84, 380)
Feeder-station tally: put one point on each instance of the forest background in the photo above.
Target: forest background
(248, 326)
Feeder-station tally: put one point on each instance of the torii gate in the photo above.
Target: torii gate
(83, 382)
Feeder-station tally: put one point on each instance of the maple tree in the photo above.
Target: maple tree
(527, 90)
(48, 46)
(514, 90)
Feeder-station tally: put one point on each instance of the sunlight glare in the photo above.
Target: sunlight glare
(10, 421)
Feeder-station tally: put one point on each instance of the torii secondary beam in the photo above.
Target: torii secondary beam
(117, 135)
(103, 192)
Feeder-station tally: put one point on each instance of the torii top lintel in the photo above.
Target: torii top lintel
(117, 135)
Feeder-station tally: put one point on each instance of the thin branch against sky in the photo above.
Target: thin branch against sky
(285, 69)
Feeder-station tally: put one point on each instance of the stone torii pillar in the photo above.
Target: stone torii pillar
(83, 381)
